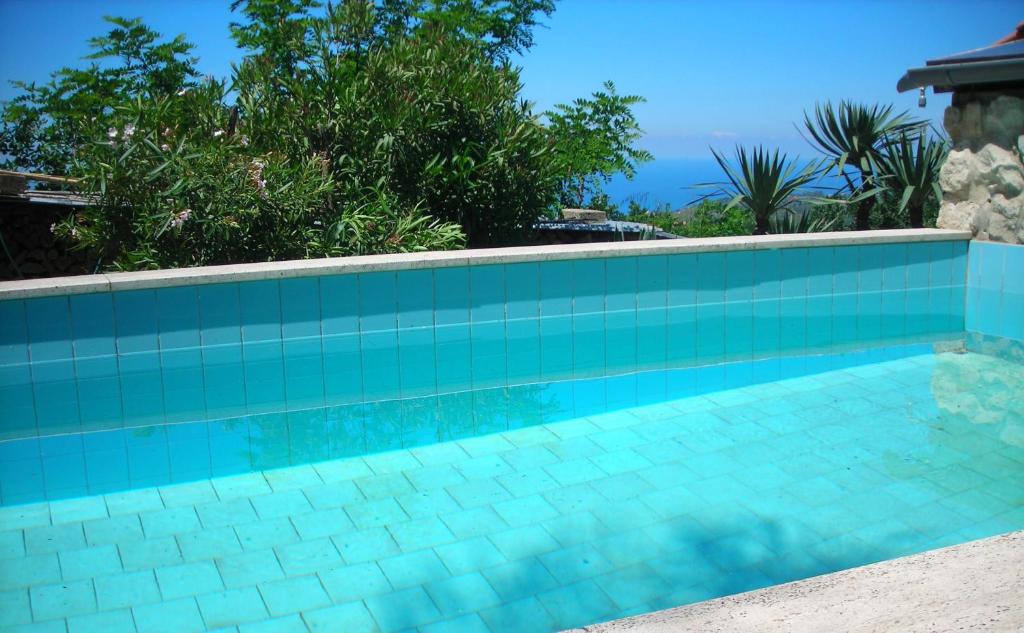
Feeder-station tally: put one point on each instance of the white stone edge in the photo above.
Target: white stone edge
(110, 282)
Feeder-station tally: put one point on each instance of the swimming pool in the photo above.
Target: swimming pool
(526, 445)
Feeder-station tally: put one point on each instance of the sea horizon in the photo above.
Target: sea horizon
(671, 180)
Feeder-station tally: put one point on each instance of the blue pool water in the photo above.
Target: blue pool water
(591, 514)
(513, 447)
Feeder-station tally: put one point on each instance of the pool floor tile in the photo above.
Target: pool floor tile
(463, 624)
(62, 600)
(249, 568)
(189, 579)
(351, 617)
(353, 582)
(287, 624)
(462, 595)
(14, 607)
(527, 614)
(150, 553)
(308, 556)
(105, 622)
(417, 568)
(403, 609)
(234, 606)
(172, 616)
(126, 590)
(48, 539)
(80, 564)
(293, 595)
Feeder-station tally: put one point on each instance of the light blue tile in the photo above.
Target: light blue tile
(487, 294)
(621, 292)
(462, 594)
(402, 609)
(524, 349)
(523, 290)
(92, 325)
(682, 280)
(417, 363)
(415, 298)
(489, 354)
(184, 391)
(621, 340)
(1013, 269)
(224, 380)
(588, 352)
(172, 616)
(378, 301)
(451, 296)
(339, 304)
(293, 595)
(260, 308)
(303, 372)
(589, 287)
(555, 288)
(49, 329)
(380, 364)
(234, 606)
(556, 351)
(119, 621)
(526, 614)
(453, 345)
(178, 318)
(343, 376)
(350, 617)
(710, 338)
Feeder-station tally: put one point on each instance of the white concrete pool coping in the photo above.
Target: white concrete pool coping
(109, 282)
(972, 586)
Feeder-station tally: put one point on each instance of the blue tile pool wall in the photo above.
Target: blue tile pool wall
(69, 465)
(995, 291)
(142, 358)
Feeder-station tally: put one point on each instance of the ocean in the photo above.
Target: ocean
(672, 181)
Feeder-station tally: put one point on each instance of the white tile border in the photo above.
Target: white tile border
(108, 282)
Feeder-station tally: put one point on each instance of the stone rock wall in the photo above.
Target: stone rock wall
(983, 178)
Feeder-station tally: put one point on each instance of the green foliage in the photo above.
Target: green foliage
(362, 127)
(429, 115)
(908, 169)
(41, 129)
(595, 139)
(852, 134)
(790, 221)
(716, 218)
(763, 183)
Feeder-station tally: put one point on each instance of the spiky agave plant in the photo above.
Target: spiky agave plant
(854, 134)
(763, 182)
(790, 221)
(909, 167)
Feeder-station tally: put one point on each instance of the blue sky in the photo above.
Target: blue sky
(713, 72)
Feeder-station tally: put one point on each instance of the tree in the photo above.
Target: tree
(593, 140)
(908, 168)
(43, 127)
(762, 183)
(428, 114)
(852, 134)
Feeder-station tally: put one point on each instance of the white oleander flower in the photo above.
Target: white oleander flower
(180, 218)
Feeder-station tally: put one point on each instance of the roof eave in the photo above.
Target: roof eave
(947, 76)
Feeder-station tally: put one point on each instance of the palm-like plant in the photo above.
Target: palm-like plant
(763, 183)
(854, 134)
(909, 168)
(789, 221)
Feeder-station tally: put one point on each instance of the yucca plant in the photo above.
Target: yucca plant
(909, 168)
(854, 134)
(790, 221)
(762, 182)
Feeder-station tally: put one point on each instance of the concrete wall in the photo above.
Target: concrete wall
(983, 178)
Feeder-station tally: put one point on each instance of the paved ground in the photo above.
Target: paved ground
(973, 586)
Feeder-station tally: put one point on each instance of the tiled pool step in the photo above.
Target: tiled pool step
(547, 527)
